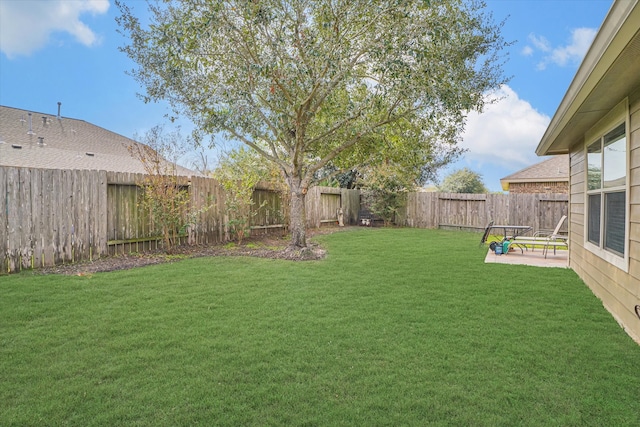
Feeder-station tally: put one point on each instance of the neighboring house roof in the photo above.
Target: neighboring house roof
(45, 141)
(609, 71)
(554, 169)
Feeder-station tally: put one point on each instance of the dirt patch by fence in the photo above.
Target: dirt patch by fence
(259, 246)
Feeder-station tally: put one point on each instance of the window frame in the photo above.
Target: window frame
(617, 116)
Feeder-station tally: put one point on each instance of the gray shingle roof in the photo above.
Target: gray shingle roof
(554, 169)
(64, 143)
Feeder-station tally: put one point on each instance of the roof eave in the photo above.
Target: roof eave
(619, 28)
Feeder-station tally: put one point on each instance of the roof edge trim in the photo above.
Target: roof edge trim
(606, 46)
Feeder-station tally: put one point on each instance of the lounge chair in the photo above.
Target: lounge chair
(545, 239)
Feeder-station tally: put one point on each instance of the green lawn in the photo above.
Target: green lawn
(396, 327)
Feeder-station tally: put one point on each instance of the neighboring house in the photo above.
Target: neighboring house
(598, 125)
(548, 176)
(44, 141)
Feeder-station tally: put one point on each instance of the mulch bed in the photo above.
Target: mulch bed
(263, 246)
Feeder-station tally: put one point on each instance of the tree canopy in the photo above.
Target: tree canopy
(463, 181)
(308, 84)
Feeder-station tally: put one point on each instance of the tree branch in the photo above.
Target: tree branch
(336, 151)
(259, 149)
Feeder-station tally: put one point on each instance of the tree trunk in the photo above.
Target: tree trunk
(298, 214)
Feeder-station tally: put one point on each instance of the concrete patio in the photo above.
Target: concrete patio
(533, 258)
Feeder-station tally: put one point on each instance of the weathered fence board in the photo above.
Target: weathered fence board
(129, 223)
(46, 217)
(207, 198)
(322, 204)
(39, 216)
(4, 218)
(26, 219)
(14, 233)
(49, 217)
(267, 209)
(465, 210)
(328, 207)
(420, 211)
(313, 205)
(350, 205)
(474, 211)
(550, 211)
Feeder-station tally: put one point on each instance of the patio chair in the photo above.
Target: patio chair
(545, 239)
(544, 235)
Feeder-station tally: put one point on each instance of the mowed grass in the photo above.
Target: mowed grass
(394, 327)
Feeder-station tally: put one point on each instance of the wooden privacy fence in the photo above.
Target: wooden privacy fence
(50, 217)
(322, 204)
(474, 211)
(130, 228)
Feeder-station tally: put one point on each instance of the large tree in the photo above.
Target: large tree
(463, 181)
(311, 83)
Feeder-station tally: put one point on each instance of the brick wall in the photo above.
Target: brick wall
(539, 187)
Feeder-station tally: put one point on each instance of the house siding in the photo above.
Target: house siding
(618, 290)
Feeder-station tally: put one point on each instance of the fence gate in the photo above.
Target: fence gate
(329, 205)
(267, 209)
(128, 226)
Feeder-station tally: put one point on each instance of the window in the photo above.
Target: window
(606, 191)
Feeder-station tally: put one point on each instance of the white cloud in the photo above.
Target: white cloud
(527, 51)
(27, 25)
(506, 134)
(572, 53)
(581, 39)
(539, 43)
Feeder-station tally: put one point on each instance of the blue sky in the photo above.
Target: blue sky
(67, 51)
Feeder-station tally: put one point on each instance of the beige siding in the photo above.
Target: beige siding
(634, 198)
(618, 290)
